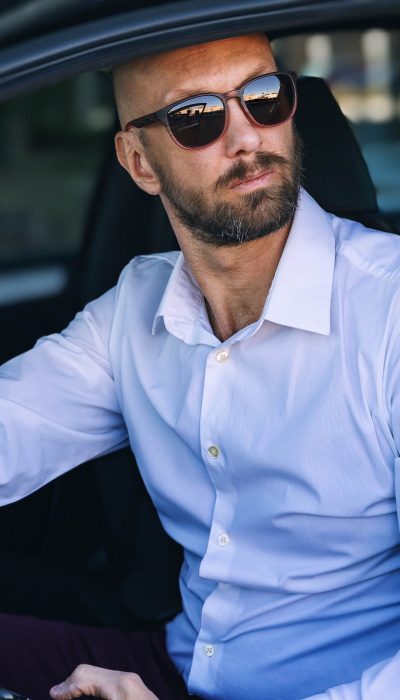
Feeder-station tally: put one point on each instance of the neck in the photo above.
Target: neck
(235, 280)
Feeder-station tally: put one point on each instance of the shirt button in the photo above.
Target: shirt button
(222, 355)
(213, 451)
(223, 539)
(209, 650)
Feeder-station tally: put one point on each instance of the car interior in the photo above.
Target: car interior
(89, 547)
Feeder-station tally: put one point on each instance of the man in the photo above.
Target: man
(257, 380)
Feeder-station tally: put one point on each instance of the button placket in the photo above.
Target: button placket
(216, 394)
(213, 428)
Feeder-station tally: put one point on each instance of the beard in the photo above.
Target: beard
(254, 215)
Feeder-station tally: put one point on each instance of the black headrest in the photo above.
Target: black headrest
(335, 172)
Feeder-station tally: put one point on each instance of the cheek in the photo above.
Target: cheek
(279, 139)
(194, 169)
(198, 168)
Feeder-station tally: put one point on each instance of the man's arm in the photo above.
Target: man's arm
(58, 404)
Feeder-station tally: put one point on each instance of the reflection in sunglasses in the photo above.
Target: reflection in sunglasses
(192, 115)
(187, 115)
(262, 96)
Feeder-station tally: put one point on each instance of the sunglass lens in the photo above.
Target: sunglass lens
(270, 99)
(197, 122)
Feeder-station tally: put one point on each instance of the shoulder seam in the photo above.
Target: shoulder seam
(373, 269)
(157, 256)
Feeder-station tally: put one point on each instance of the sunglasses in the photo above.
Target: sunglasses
(199, 121)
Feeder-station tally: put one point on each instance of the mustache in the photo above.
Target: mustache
(242, 170)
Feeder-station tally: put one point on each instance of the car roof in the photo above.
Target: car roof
(24, 18)
(44, 41)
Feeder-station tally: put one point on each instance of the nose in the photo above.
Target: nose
(241, 135)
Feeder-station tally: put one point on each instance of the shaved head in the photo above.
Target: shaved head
(129, 79)
(137, 83)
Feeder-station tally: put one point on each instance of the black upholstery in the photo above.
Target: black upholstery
(124, 222)
(335, 172)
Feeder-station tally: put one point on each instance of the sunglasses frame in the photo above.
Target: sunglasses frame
(161, 115)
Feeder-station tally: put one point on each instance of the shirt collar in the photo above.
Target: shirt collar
(182, 306)
(300, 294)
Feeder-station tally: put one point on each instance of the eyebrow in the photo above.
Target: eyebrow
(178, 94)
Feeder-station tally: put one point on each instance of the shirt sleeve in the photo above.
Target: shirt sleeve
(58, 403)
(379, 682)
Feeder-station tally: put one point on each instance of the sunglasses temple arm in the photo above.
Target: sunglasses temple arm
(144, 121)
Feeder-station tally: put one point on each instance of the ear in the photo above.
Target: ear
(131, 155)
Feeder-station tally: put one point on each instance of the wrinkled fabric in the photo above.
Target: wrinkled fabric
(275, 464)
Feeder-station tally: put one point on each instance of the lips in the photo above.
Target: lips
(254, 178)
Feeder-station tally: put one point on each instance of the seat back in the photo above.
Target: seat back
(334, 169)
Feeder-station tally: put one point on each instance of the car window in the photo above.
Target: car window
(52, 143)
(362, 69)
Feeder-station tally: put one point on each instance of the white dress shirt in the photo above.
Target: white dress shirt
(272, 457)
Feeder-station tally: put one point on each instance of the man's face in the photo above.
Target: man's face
(243, 186)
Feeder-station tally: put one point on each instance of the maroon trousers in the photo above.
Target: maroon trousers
(36, 654)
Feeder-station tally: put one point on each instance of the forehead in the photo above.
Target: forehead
(217, 66)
